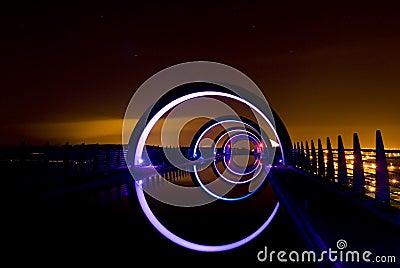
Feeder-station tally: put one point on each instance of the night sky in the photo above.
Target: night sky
(69, 71)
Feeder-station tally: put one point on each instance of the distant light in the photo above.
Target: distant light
(172, 104)
(142, 200)
(140, 161)
(140, 182)
(394, 181)
(280, 161)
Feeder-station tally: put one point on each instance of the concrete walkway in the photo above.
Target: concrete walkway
(325, 214)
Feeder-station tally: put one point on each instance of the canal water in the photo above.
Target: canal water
(103, 220)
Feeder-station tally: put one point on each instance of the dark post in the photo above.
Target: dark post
(342, 168)
(303, 158)
(321, 163)
(308, 164)
(330, 167)
(358, 169)
(298, 155)
(382, 177)
(314, 158)
(294, 154)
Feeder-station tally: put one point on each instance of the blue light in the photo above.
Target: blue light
(218, 196)
(146, 131)
(254, 139)
(239, 182)
(140, 191)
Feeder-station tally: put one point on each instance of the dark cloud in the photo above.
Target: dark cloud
(318, 65)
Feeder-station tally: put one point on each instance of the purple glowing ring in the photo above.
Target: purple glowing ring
(224, 121)
(234, 172)
(233, 130)
(139, 190)
(218, 196)
(190, 245)
(239, 182)
(159, 114)
(236, 130)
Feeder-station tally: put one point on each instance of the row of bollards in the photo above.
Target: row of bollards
(321, 162)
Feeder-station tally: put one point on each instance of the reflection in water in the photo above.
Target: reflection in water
(217, 178)
(241, 165)
(221, 221)
(176, 176)
(185, 178)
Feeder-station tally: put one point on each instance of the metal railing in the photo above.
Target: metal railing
(371, 172)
